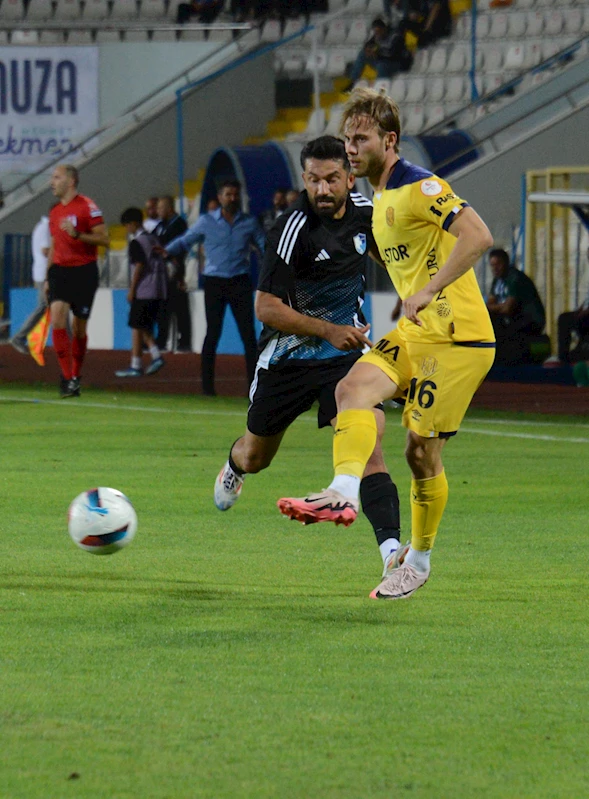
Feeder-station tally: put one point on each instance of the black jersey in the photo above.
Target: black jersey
(316, 265)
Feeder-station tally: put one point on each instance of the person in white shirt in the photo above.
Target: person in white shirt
(40, 242)
(151, 219)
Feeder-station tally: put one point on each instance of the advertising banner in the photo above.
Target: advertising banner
(48, 101)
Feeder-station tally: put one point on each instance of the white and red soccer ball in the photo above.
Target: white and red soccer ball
(102, 521)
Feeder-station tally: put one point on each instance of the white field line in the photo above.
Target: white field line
(211, 412)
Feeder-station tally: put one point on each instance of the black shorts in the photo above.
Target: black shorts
(143, 314)
(280, 394)
(75, 285)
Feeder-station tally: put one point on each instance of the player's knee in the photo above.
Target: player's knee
(253, 461)
(423, 456)
(346, 390)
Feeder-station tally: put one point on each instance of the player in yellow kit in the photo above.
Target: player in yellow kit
(429, 240)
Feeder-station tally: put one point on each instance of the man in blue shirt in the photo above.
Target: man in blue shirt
(228, 236)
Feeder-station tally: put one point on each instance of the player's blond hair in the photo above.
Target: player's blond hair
(382, 110)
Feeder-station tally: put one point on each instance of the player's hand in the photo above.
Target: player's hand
(130, 296)
(413, 305)
(348, 337)
(159, 250)
(68, 227)
(182, 285)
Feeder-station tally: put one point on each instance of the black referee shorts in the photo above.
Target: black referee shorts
(281, 393)
(75, 285)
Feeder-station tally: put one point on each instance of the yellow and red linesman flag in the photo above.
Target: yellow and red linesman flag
(37, 338)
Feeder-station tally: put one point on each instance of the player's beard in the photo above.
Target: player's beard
(371, 169)
(335, 203)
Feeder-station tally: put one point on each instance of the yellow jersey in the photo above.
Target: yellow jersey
(410, 223)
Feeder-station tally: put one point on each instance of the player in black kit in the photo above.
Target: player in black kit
(309, 298)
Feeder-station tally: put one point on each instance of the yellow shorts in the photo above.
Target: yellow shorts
(439, 380)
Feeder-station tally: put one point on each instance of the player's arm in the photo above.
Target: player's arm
(98, 236)
(182, 244)
(473, 238)
(375, 255)
(272, 311)
(138, 269)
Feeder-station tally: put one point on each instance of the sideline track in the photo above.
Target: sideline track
(309, 418)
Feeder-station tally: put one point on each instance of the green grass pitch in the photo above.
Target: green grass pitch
(237, 654)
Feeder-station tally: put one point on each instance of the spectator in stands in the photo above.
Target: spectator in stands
(146, 293)
(152, 219)
(228, 235)
(437, 24)
(40, 241)
(516, 310)
(384, 51)
(279, 206)
(568, 323)
(292, 195)
(206, 11)
(177, 304)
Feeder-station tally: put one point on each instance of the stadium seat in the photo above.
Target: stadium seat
(153, 9)
(163, 35)
(436, 89)
(573, 20)
(514, 57)
(397, 91)
(535, 23)
(492, 82)
(24, 37)
(358, 32)
(493, 59)
(356, 5)
(108, 36)
(51, 37)
(307, 39)
(3, 37)
(553, 23)
(544, 3)
(316, 122)
(374, 8)
(498, 28)
(293, 26)
(382, 86)
(79, 37)
(526, 3)
(336, 64)
(456, 89)
(415, 119)
(95, 9)
(533, 54)
(320, 63)
(435, 115)
(550, 47)
(458, 60)
(336, 32)
(483, 25)
(12, 10)
(188, 35)
(39, 9)
(68, 9)
(221, 36)
(415, 90)
(437, 61)
(124, 9)
(271, 31)
(420, 62)
(517, 25)
(463, 24)
(335, 117)
(136, 36)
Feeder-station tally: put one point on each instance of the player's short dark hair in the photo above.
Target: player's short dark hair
(325, 148)
(230, 184)
(498, 252)
(130, 215)
(71, 171)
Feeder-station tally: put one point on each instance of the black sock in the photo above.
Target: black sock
(232, 463)
(380, 503)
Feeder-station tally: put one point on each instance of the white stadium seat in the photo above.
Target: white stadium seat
(136, 36)
(415, 90)
(533, 54)
(124, 9)
(456, 89)
(12, 10)
(24, 37)
(517, 25)
(483, 24)
(553, 23)
(458, 60)
(336, 64)
(307, 39)
(437, 61)
(108, 36)
(293, 26)
(420, 62)
(436, 89)
(271, 32)
(435, 115)
(335, 117)
(398, 89)
(535, 23)
(573, 20)
(526, 3)
(498, 29)
(493, 59)
(163, 36)
(153, 9)
(336, 32)
(514, 57)
(79, 37)
(544, 3)
(320, 63)
(463, 25)
(358, 32)
(415, 119)
(68, 9)
(95, 9)
(550, 47)
(39, 9)
(492, 83)
(51, 37)
(356, 5)
(188, 35)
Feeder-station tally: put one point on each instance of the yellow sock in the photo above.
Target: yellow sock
(428, 500)
(353, 442)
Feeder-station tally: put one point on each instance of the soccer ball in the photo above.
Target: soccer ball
(102, 521)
